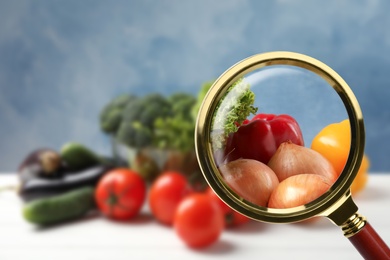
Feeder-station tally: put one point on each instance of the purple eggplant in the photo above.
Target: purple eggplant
(39, 187)
(43, 163)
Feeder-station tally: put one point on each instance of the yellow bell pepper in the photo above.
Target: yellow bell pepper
(333, 142)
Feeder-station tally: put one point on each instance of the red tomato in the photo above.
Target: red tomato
(120, 194)
(232, 217)
(199, 221)
(165, 194)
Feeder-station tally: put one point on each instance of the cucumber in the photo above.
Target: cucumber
(60, 208)
(79, 157)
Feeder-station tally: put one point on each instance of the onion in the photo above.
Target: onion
(250, 179)
(291, 159)
(298, 190)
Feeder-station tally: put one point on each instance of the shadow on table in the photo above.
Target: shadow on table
(91, 216)
(219, 248)
(141, 219)
(249, 228)
(223, 246)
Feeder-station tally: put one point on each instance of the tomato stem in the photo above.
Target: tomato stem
(229, 218)
(112, 199)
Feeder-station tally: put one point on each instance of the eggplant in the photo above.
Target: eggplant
(41, 163)
(40, 187)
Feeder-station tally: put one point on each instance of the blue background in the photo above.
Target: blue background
(61, 61)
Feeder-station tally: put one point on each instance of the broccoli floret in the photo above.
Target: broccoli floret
(155, 106)
(111, 115)
(111, 121)
(134, 134)
(174, 133)
(138, 117)
(146, 109)
(154, 120)
(177, 130)
(182, 104)
(132, 110)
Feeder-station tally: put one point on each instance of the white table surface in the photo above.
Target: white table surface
(143, 238)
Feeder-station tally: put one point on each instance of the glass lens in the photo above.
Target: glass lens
(280, 137)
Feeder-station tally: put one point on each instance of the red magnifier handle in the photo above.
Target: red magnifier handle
(369, 244)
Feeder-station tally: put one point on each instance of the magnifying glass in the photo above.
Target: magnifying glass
(253, 137)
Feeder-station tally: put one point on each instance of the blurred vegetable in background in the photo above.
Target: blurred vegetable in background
(154, 133)
(42, 162)
(120, 194)
(165, 194)
(199, 220)
(232, 218)
(46, 172)
(55, 209)
(111, 115)
(138, 117)
(151, 121)
(334, 142)
(58, 186)
(177, 130)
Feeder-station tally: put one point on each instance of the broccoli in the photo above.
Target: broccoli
(182, 104)
(134, 134)
(174, 133)
(111, 114)
(151, 120)
(132, 111)
(177, 130)
(146, 109)
(155, 106)
(138, 117)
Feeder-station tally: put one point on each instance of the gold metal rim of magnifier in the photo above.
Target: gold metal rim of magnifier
(325, 205)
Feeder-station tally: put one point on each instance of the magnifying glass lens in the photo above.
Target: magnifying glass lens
(262, 133)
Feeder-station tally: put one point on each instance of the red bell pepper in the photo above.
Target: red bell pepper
(260, 137)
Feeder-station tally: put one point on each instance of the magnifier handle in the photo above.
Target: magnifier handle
(369, 244)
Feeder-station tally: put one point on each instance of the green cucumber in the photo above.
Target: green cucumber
(79, 157)
(60, 208)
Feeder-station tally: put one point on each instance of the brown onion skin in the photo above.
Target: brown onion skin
(291, 159)
(298, 190)
(250, 179)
